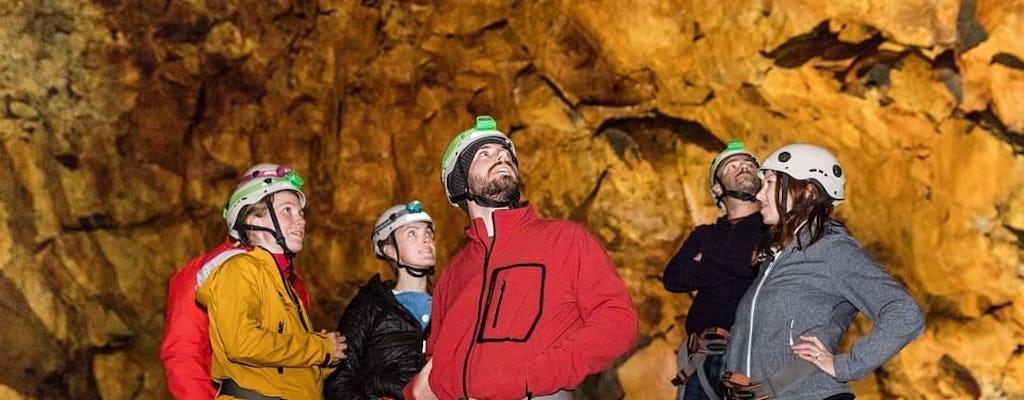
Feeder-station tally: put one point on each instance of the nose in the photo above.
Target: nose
(503, 155)
(761, 196)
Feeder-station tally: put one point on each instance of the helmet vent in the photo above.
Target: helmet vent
(784, 156)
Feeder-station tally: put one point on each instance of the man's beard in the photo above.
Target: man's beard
(500, 189)
(747, 183)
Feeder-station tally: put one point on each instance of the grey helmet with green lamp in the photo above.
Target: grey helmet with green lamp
(808, 162)
(383, 234)
(733, 148)
(255, 185)
(459, 156)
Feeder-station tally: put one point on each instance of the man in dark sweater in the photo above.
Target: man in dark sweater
(716, 260)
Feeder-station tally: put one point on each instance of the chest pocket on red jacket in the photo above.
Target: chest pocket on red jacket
(513, 303)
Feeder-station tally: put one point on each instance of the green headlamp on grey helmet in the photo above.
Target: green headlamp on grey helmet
(733, 148)
(395, 217)
(257, 182)
(460, 153)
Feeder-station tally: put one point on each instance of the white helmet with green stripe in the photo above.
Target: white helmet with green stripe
(458, 157)
(257, 182)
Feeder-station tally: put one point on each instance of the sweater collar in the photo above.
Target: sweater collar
(505, 221)
(724, 220)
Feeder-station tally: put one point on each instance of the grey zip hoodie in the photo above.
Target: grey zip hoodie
(817, 291)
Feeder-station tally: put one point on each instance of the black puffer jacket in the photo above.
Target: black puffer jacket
(385, 346)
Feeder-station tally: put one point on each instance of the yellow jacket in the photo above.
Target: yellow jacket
(260, 335)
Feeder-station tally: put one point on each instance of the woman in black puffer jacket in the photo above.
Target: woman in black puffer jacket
(386, 323)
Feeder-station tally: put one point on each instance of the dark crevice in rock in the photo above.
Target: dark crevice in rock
(494, 26)
(992, 309)
(820, 42)
(619, 140)
(752, 95)
(16, 201)
(580, 212)
(90, 223)
(184, 32)
(698, 34)
(988, 121)
(555, 89)
(947, 71)
(688, 130)
(27, 372)
(943, 308)
(869, 71)
(68, 160)
(965, 380)
(969, 32)
(1019, 233)
(1008, 60)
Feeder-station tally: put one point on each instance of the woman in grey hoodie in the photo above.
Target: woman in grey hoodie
(813, 279)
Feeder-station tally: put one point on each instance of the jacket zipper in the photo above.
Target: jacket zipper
(280, 329)
(753, 306)
(293, 296)
(479, 310)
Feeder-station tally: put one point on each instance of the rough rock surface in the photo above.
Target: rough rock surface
(125, 123)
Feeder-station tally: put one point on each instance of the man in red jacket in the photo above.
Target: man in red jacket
(528, 307)
(185, 350)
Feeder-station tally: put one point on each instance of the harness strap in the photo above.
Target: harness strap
(230, 387)
(739, 387)
(709, 342)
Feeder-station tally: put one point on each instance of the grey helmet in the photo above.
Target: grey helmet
(393, 218)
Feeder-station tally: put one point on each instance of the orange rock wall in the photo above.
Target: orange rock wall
(125, 124)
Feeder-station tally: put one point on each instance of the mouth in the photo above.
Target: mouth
(503, 168)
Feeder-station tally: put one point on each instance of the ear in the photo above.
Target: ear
(389, 250)
(811, 192)
(717, 189)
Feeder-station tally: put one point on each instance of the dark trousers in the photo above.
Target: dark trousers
(713, 369)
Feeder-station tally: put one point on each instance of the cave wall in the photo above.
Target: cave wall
(125, 124)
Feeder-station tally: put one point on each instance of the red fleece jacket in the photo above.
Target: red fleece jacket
(185, 350)
(531, 312)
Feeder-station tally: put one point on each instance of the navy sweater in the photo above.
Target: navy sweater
(723, 273)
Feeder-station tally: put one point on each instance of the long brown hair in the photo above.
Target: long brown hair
(812, 211)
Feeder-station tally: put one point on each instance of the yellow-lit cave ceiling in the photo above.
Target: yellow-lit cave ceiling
(126, 123)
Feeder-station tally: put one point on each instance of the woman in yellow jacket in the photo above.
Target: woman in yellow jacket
(262, 341)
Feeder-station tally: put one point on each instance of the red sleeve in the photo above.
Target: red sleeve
(610, 326)
(185, 350)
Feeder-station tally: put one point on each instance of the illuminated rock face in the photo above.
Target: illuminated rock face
(125, 125)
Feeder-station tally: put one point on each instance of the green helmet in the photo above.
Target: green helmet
(257, 182)
(456, 161)
(733, 148)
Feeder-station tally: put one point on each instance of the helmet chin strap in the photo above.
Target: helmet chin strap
(512, 202)
(736, 194)
(413, 271)
(278, 236)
